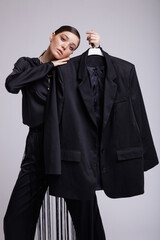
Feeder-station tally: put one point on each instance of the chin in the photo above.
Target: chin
(58, 57)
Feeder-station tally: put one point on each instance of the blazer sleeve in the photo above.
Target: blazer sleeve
(149, 152)
(24, 74)
(52, 150)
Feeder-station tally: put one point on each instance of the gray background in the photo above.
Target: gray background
(129, 29)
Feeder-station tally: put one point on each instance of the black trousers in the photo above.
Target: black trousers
(24, 206)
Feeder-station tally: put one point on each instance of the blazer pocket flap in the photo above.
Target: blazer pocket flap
(69, 155)
(121, 99)
(130, 153)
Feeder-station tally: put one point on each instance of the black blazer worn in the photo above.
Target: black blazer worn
(71, 144)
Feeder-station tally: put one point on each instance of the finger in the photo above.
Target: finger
(62, 63)
(92, 37)
(92, 40)
(89, 32)
(63, 60)
(67, 58)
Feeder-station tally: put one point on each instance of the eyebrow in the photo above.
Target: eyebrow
(68, 38)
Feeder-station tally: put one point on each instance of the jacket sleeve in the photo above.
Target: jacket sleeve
(149, 152)
(52, 150)
(24, 74)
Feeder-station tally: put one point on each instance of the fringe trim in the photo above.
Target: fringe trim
(54, 221)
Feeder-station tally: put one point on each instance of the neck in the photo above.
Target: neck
(47, 56)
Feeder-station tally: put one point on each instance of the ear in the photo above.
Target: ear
(52, 36)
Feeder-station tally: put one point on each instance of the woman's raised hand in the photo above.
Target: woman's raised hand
(93, 38)
(60, 61)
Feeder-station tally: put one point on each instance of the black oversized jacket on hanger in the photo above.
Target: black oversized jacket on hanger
(71, 141)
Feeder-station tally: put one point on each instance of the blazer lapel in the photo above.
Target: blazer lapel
(110, 89)
(85, 89)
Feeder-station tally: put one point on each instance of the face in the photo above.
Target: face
(62, 45)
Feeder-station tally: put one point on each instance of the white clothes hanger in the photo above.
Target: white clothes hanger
(95, 51)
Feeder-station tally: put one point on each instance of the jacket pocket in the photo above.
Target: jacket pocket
(121, 99)
(70, 155)
(130, 153)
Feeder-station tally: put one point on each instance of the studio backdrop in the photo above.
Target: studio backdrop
(129, 29)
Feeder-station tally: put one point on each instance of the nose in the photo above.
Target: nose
(64, 46)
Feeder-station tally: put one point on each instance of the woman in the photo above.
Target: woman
(32, 77)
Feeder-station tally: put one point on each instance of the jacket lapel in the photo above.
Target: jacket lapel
(109, 90)
(85, 88)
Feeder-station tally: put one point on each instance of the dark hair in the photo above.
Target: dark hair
(69, 29)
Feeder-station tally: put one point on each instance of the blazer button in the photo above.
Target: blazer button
(104, 170)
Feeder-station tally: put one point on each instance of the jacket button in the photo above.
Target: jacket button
(104, 170)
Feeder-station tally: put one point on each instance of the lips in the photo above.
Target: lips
(60, 51)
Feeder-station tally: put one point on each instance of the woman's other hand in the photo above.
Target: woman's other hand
(93, 38)
(60, 62)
